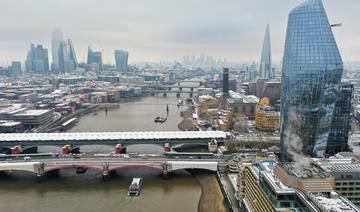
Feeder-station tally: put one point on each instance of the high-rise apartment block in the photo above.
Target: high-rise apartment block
(312, 70)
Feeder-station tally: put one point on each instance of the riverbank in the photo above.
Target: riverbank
(212, 199)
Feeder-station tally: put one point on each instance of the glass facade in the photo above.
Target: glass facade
(340, 127)
(121, 59)
(94, 58)
(312, 70)
(265, 63)
(37, 60)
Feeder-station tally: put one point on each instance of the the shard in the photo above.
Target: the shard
(265, 63)
(312, 71)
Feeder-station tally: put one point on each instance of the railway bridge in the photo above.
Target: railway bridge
(117, 139)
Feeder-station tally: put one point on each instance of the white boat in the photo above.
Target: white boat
(135, 186)
(160, 119)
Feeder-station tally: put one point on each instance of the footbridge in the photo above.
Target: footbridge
(105, 166)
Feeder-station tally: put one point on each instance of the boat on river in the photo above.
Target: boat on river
(135, 186)
(160, 119)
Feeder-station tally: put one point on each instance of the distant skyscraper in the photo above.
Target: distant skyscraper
(67, 58)
(340, 127)
(15, 67)
(225, 85)
(94, 58)
(37, 61)
(57, 38)
(312, 70)
(121, 59)
(265, 63)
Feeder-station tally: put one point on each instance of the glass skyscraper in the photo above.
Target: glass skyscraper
(121, 59)
(265, 63)
(340, 127)
(94, 58)
(67, 57)
(37, 60)
(312, 70)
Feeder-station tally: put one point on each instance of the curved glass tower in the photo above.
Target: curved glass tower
(312, 70)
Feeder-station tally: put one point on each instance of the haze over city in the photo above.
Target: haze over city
(162, 30)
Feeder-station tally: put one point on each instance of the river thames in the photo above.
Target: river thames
(86, 192)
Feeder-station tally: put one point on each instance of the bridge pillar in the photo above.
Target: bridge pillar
(165, 169)
(16, 150)
(66, 149)
(167, 147)
(40, 172)
(106, 173)
(120, 148)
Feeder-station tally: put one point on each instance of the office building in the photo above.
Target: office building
(340, 126)
(289, 187)
(265, 63)
(312, 70)
(266, 118)
(37, 60)
(57, 38)
(94, 58)
(67, 61)
(121, 59)
(34, 118)
(345, 170)
(15, 67)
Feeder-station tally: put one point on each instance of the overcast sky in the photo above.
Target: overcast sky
(164, 30)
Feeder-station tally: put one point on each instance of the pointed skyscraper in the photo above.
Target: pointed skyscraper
(265, 63)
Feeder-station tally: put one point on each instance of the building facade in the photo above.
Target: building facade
(57, 38)
(312, 70)
(37, 60)
(340, 126)
(121, 59)
(266, 118)
(94, 58)
(67, 61)
(15, 67)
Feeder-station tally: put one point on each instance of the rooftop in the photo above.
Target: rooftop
(332, 202)
(32, 112)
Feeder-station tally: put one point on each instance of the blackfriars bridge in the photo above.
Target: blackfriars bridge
(106, 166)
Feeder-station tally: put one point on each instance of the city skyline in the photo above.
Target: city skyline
(152, 33)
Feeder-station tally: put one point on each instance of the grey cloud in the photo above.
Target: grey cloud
(154, 30)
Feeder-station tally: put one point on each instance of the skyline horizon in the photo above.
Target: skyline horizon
(156, 34)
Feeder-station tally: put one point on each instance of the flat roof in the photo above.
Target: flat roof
(161, 135)
(32, 112)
